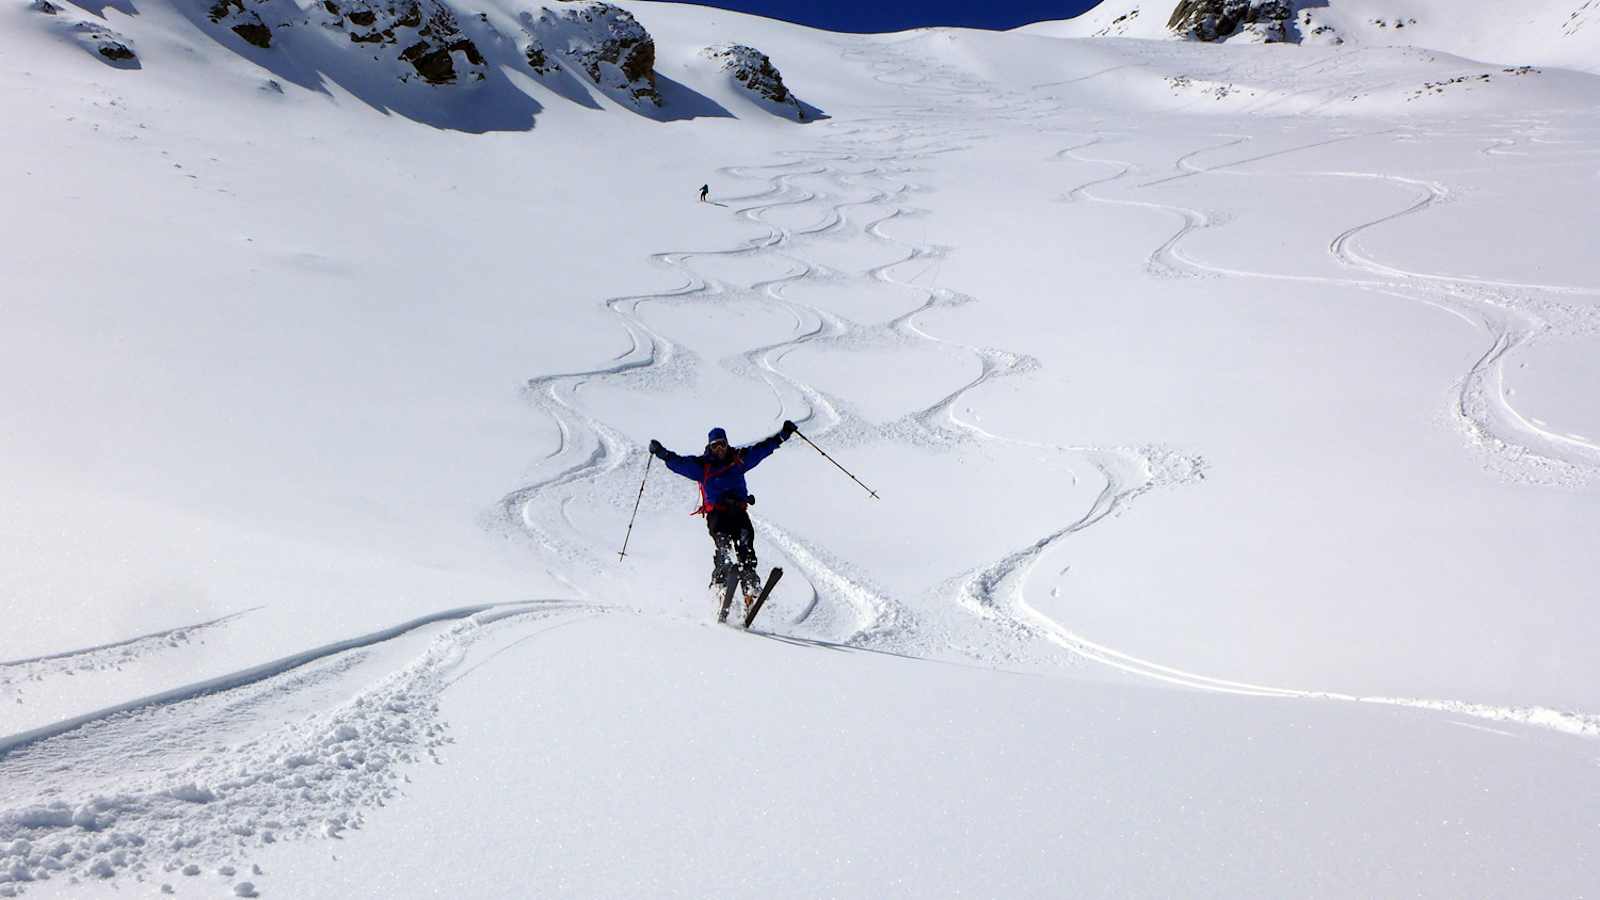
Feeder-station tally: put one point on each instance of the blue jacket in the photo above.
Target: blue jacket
(722, 482)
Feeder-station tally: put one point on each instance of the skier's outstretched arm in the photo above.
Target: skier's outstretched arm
(687, 466)
(760, 450)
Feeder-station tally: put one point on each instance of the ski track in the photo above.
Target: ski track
(1515, 447)
(174, 800)
(17, 675)
(1524, 451)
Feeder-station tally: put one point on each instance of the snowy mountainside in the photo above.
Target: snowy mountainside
(432, 60)
(1541, 32)
(605, 42)
(1229, 410)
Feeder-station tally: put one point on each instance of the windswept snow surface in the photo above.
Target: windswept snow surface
(1232, 410)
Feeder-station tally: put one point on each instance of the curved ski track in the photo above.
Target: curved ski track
(202, 773)
(863, 166)
(1512, 313)
(1523, 450)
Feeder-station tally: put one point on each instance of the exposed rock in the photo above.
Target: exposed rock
(110, 46)
(538, 60)
(241, 20)
(256, 33)
(426, 29)
(1119, 25)
(1313, 31)
(46, 7)
(604, 42)
(1271, 21)
(754, 71)
(116, 50)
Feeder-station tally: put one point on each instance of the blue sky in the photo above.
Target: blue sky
(897, 15)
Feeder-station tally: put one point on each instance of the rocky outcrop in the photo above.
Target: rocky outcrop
(538, 60)
(114, 50)
(110, 46)
(1120, 25)
(239, 19)
(604, 43)
(1271, 21)
(426, 33)
(756, 74)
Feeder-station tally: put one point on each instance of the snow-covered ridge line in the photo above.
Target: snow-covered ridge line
(11, 743)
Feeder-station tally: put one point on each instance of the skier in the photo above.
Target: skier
(705, 189)
(723, 501)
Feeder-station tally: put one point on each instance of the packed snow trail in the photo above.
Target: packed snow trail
(195, 777)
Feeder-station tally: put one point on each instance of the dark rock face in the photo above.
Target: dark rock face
(116, 51)
(255, 33)
(604, 42)
(111, 47)
(244, 22)
(751, 68)
(1217, 20)
(426, 29)
(538, 60)
(755, 72)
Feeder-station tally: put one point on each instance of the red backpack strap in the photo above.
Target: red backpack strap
(706, 475)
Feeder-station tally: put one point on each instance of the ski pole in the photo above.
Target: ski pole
(647, 461)
(836, 463)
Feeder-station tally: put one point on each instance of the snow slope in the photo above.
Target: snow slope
(1538, 32)
(1233, 422)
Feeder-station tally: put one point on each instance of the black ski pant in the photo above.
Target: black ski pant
(734, 538)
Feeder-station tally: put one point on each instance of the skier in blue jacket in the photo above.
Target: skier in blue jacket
(724, 498)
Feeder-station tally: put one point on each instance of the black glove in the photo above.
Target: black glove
(789, 428)
(657, 450)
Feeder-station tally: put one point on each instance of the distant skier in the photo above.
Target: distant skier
(705, 190)
(724, 498)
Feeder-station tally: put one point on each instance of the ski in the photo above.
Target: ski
(766, 589)
(727, 594)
